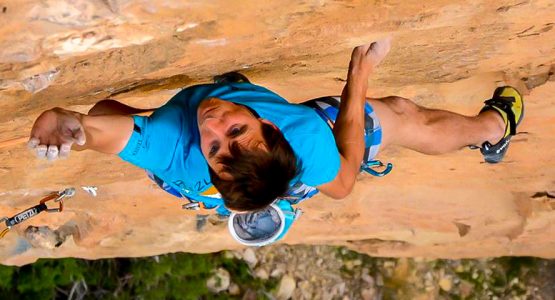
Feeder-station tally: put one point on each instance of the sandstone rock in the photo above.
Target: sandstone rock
(218, 282)
(341, 288)
(350, 264)
(536, 80)
(368, 279)
(285, 288)
(39, 82)
(389, 264)
(250, 295)
(42, 237)
(261, 273)
(229, 255)
(379, 280)
(277, 272)
(250, 257)
(234, 289)
(446, 283)
(368, 294)
(305, 289)
(446, 55)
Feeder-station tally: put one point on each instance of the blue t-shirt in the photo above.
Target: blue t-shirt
(167, 143)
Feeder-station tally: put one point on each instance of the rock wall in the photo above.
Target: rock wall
(446, 54)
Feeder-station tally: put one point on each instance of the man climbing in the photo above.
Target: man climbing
(255, 147)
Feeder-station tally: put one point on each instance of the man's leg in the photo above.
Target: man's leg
(433, 131)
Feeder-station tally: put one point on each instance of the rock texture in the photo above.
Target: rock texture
(446, 54)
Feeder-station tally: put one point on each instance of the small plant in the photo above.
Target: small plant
(171, 276)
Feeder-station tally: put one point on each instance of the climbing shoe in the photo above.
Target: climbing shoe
(508, 102)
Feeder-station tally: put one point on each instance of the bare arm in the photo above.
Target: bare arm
(106, 128)
(107, 133)
(349, 126)
(57, 129)
(349, 137)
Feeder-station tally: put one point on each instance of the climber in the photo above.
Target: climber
(254, 146)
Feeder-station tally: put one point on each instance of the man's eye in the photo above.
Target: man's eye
(213, 149)
(236, 130)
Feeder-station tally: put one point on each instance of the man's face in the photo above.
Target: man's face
(221, 123)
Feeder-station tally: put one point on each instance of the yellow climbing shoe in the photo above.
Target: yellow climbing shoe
(508, 102)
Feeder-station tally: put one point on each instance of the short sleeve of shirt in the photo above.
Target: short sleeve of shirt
(154, 140)
(321, 160)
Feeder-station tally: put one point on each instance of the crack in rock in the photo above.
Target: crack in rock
(548, 194)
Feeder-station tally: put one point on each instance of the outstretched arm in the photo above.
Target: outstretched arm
(106, 129)
(57, 129)
(349, 126)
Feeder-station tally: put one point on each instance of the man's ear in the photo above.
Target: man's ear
(268, 122)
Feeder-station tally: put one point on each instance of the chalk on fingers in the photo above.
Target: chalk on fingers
(40, 150)
(33, 143)
(64, 150)
(52, 153)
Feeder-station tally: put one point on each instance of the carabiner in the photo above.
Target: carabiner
(67, 193)
(369, 168)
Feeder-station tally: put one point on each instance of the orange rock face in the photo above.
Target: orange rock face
(446, 54)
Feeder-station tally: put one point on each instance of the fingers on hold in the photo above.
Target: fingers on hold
(387, 40)
(79, 136)
(33, 142)
(363, 48)
(359, 51)
(64, 150)
(52, 152)
(383, 43)
(40, 151)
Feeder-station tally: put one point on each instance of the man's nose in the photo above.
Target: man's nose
(215, 125)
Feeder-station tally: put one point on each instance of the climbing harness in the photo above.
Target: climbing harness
(35, 210)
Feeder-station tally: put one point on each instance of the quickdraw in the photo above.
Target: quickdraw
(35, 210)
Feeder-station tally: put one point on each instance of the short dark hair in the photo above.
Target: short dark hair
(259, 176)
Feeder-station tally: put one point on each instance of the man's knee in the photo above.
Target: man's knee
(407, 115)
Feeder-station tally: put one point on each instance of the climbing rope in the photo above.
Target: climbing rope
(57, 197)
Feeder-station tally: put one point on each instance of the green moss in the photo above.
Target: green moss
(172, 276)
(6, 274)
(184, 275)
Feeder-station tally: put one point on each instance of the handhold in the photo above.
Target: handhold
(92, 190)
